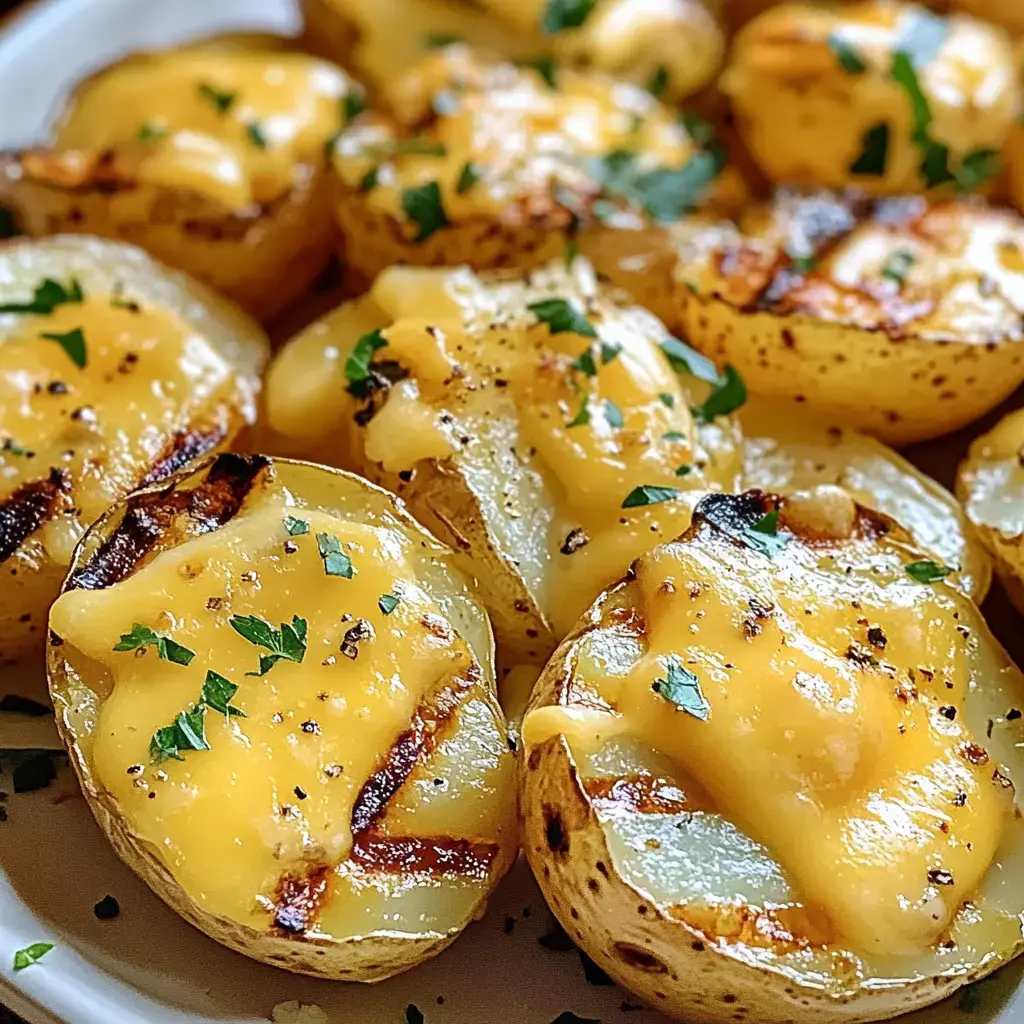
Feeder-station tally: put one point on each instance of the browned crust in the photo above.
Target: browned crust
(643, 794)
(26, 509)
(183, 447)
(160, 518)
(442, 857)
(299, 898)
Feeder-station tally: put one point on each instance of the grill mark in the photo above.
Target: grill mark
(644, 794)
(27, 508)
(442, 857)
(150, 516)
(184, 447)
(298, 900)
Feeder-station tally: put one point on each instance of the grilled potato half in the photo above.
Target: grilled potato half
(114, 373)
(532, 420)
(290, 626)
(771, 772)
(676, 45)
(879, 94)
(897, 317)
(492, 164)
(211, 157)
(990, 483)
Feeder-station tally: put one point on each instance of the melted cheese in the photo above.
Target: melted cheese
(148, 374)
(281, 108)
(525, 140)
(488, 384)
(843, 751)
(277, 788)
(805, 117)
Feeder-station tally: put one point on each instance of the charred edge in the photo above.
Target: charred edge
(442, 857)
(27, 508)
(184, 447)
(732, 513)
(416, 743)
(299, 899)
(149, 516)
(641, 794)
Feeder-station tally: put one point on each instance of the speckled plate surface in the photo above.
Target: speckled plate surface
(148, 966)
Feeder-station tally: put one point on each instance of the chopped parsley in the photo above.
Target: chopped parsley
(336, 562)
(468, 177)
(667, 400)
(727, 395)
(898, 264)
(423, 206)
(934, 155)
(846, 54)
(352, 105)
(142, 636)
(149, 132)
(657, 84)
(296, 527)
(288, 642)
(73, 343)
(222, 100)
(927, 571)
(613, 415)
(684, 470)
(368, 182)
(13, 448)
(562, 317)
(439, 40)
(674, 435)
(187, 733)
(647, 495)
(217, 693)
(387, 603)
(610, 350)
(31, 955)
(977, 167)
(256, 134)
(572, 250)
(585, 363)
(682, 687)
(545, 66)
(689, 360)
(562, 14)
(764, 536)
(47, 297)
(582, 417)
(357, 366)
(699, 128)
(874, 154)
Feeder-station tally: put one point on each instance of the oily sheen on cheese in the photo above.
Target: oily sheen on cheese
(834, 734)
(277, 787)
(227, 124)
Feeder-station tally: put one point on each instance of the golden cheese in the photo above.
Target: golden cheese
(826, 690)
(585, 420)
(277, 786)
(148, 374)
(231, 125)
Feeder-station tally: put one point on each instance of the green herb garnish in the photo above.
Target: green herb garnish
(46, 298)
(572, 250)
(468, 177)
(699, 128)
(352, 105)
(423, 206)
(73, 343)
(610, 351)
(689, 360)
(222, 100)
(142, 636)
(31, 954)
(728, 395)
(149, 132)
(927, 571)
(585, 363)
(562, 14)
(684, 470)
(545, 66)
(187, 733)
(667, 400)
(357, 366)
(898, 264)
(646, 495)
(849, 59)
(288, 642)
(978, 166)
(613, 415)
(562, 317)
(217, 693)
(764, 535)
(387, 603)
(657, 84)
(296, 527)
(336, 562)
(256, 135)
(874, 153)
(439, 40)
(682, 688)
(13, 448)
(582, 417)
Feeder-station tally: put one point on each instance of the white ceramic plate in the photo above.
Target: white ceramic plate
(148, 966)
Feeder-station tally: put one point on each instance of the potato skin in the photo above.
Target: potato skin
(902, 360)
(263, 258)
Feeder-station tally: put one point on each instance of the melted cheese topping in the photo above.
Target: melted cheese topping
(488, 383)
(148, 374)
(805, 117)
(525, 140)
(836, 682)
(276, 789)
(230, 125)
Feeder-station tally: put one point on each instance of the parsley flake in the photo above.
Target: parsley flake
(572, 250)
(585, 363)
(846, 54)
(11, 447)
(613, 415)
(439, 40)
(689, 360)
(468, 177)
(647, 495)
(546, 67)
(682, 688)
(150, 132)
(667, 400)
(387, 603)
(217, 693)
(582, 417)
(187, 733)
(296, 527)
(47, 297)
(927, 571)
(977, 167)
(288, 642)
(562, 317)
(728, 395)
(256, 134)
(764, 536)
(898, 264)
(31, 954)
(368, 182)
(610, 350)
(73, 343)
(562, 14)
(874, 154)
(684, 470)
(423, 206)
(142, 636)
(336, 562)
(222, 100)
(357, 366)
(657, 84)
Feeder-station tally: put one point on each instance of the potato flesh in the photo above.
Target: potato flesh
(849, 805)
(805, 117)
(229, 845)
(280, 109)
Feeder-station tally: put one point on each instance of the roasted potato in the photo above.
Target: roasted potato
(786, 450)
(533, 421)
(495, 165)
(880, 94)
(211, 157)
(114, 373)
(990, 483)
(897, 317)
(378, 807)
(771, 773)
(674, 45)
